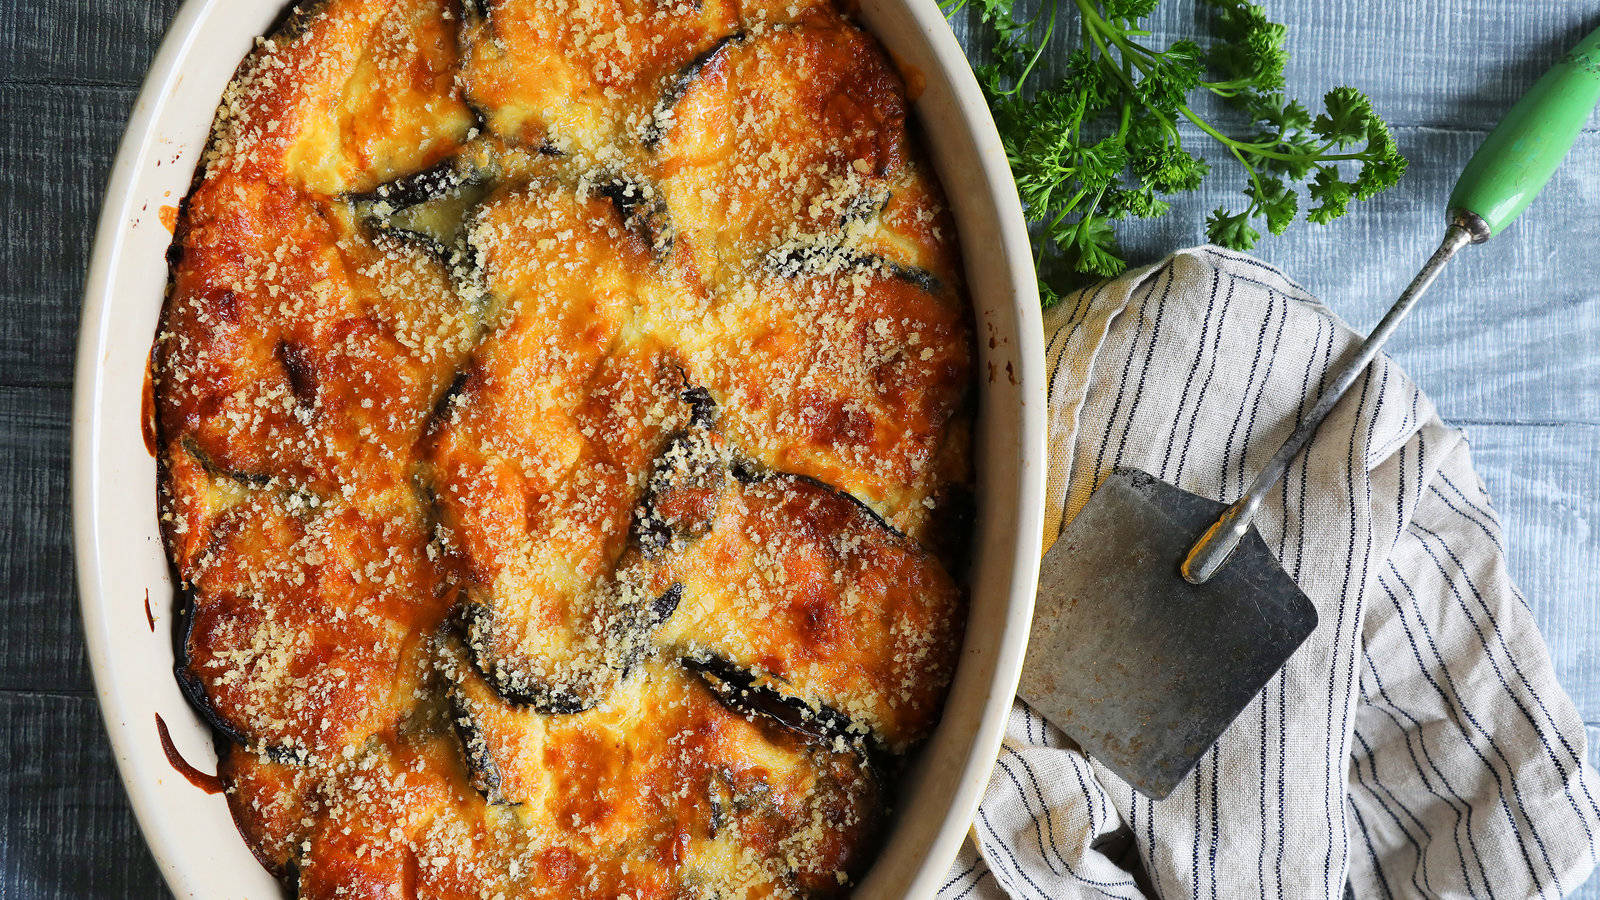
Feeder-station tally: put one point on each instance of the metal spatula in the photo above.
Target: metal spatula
(1160, 613)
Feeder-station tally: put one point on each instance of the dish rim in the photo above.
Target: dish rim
(168, 817)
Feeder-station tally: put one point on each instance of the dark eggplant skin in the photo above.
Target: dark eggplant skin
(216, 470)
(864, 206)
(662, 607)
(648, 532)
(679, 86)
(795, 261)
(629, 631)
(481, 768)
(439, 180)
(475, 620)
(642, 214)
(194, 690)
(185, 603)
(440, 414)
(702, 408)
(749, 472)
(748, 694)
(384, 208)
(189, 684)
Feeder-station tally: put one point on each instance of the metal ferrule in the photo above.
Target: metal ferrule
(1470, 222)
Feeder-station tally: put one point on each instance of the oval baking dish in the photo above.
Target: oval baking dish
(120, 557)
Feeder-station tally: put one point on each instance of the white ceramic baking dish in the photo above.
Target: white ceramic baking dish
(119, 552)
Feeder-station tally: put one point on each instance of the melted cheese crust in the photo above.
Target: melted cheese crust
(563, 411)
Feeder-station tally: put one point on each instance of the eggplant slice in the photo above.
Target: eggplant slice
(544, 76)
(432, 207)
(797, 601)
(534, 465)
(853, 376)
(661, 116)
(748, 694)
(696, 792)
(819, 132)
(296, 636)
(400, 819)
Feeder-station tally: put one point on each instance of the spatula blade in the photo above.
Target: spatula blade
(1143, 669)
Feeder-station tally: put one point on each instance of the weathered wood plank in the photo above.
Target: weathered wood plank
(1509, 336)
(1454, 62)
(66, 830)
(56, 145)
(43, 649)
(1509, 331)
(63, 41)
(1545, 484)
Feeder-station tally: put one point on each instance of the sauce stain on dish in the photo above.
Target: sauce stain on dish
(914, 80)
(148, 615)
(211, 784)
(169, 217)
(147, 415)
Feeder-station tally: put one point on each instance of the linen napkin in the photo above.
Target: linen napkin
(1417, 745)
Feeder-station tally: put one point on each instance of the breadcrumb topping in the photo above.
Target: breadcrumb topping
(563, 410)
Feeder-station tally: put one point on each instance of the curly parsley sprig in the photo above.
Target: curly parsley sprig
(1102, 142)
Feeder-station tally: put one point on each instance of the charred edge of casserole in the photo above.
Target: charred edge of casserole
(189, 684)
(475, 621)
(679, 86)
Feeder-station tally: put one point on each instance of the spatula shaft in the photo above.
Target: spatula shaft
(1213, 548)
(1508, 170)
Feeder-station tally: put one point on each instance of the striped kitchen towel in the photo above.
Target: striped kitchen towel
(1417, 745)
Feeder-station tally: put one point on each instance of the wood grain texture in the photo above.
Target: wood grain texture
(45, 653)
(56, 144)
(1508, 345)
(70, 41)
(68, 830)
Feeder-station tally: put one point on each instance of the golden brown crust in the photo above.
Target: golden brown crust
(807, 588)
(562, 412)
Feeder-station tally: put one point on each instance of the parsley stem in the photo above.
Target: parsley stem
(1044, 42)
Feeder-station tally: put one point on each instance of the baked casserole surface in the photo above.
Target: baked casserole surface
(564, 411)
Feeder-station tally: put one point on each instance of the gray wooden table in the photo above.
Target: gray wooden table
(1508, 345)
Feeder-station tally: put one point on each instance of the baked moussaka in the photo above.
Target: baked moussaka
(564, 413)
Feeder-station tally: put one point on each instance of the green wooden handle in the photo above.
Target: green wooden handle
(1522, 152)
